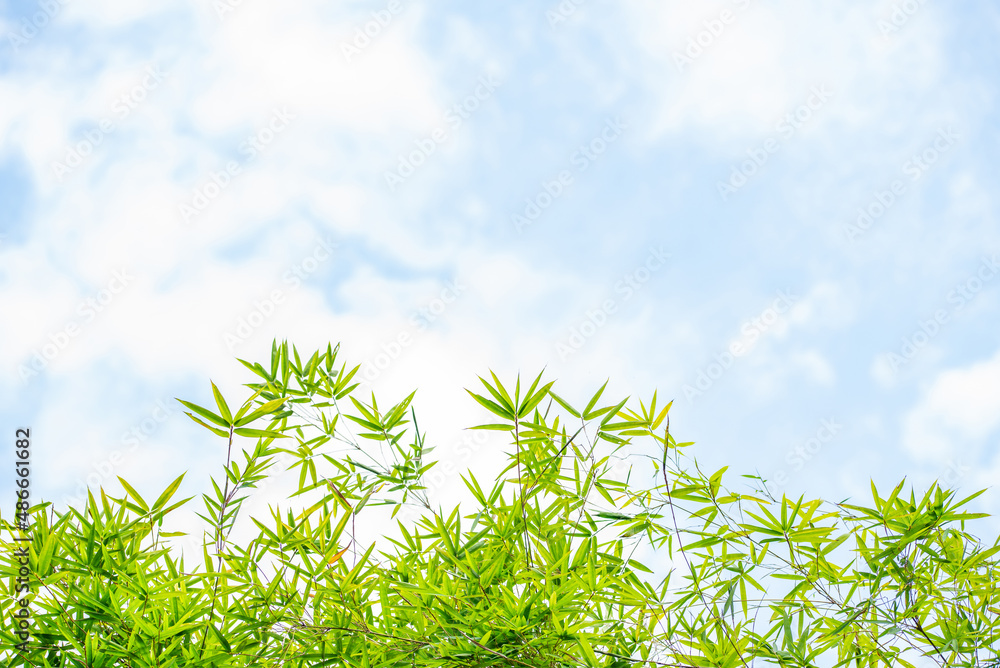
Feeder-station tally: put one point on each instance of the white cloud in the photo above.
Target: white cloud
(882, 372)
(826, 306)
(956, 413)
(120, 208)
(814, 366)
(770, 373)
(761, 65)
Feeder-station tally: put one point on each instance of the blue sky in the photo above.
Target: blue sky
(687, 179)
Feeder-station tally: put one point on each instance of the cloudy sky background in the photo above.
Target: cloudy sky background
(532, 164)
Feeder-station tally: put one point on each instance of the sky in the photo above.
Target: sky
(780, 215)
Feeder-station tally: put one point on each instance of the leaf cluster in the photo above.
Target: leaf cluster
(601, 542)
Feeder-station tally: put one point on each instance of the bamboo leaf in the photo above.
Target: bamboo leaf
(134, 494)
(221, 403)
(491, 406)
(167, 493)
(207, 414)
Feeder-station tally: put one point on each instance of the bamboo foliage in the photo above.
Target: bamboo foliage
(540, 568)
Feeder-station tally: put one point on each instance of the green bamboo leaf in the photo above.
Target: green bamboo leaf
(266, 408)
(369, 416)
(562, 402)
(256, 368)
(167, 493)
(530, 401)
(259, 433)
(246, 406)
(662, 415)
(491, 406)
(613, 412)
(218, 636)
(134, 494)
(207, 414)
(221, 403)
(593, 401)
(531, 390)
(715, 481)
(214, 430)
(341, 525)
(588, 651)
(498, 393)
(370, 426)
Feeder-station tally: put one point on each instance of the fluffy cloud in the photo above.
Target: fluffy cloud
(956, 415)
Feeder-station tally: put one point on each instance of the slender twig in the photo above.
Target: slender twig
(680, 543)
(520, 483)
(219, 537)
